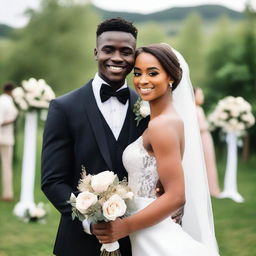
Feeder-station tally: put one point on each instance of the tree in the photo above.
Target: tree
(56, 45)
(191, 45)
(231, 63)
(150, 33)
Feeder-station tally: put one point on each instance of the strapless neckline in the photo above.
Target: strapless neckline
(143, 148)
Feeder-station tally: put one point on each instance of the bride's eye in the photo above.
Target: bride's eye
(136, 74)
(154, 73)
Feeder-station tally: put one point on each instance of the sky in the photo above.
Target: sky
(12, 11)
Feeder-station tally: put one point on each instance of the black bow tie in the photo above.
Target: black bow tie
(106, 92)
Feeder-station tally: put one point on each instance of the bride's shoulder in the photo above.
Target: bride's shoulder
(165, 121)
(165, 126)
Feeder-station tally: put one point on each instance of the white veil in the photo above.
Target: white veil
(198, 217)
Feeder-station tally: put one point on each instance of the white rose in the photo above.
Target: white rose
(18, 92)
(235, 112)
(84, 200)
(114, 207)
(48, 94)
(101, 181)
(30, 96)
(251, 119)
(241, 126)
(233, 121)
(38, 104)
(230, 99)
(144, 111)
(22, 104)
(247, 106)
(240, 100)
(29, 85)
(223, 115)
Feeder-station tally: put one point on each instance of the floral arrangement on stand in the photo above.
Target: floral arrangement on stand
(33, 98)
(33, 94)
(36, 214)
(141, 110)
(102, 197)
(232, 114)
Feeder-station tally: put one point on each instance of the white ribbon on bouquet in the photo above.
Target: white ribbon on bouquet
(230, 180)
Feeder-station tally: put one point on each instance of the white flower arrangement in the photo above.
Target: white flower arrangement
(232, 114)
(141, 110)
(102, 197)
(37, 213)
(33, 94)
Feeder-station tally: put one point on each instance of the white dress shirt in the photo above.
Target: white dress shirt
(8, 113)
(113, 111)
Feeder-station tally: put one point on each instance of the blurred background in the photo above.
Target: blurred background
(54, 40)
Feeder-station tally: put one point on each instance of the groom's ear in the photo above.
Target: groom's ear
(95, 54)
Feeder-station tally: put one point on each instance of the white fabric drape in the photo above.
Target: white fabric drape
(28, 165)
(198, 217)
(230, 180)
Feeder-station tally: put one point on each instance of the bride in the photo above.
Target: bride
(168, 150)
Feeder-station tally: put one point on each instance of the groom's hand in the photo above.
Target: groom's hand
(159, 188)
(109, 232)
(178, 214)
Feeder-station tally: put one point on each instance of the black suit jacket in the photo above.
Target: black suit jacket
(74, 136)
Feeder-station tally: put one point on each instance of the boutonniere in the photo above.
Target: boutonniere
(141, 110)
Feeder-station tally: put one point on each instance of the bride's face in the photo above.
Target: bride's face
(150, 79)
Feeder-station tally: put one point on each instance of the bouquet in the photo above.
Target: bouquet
(232, 114)
(33, 94)
(102, 197)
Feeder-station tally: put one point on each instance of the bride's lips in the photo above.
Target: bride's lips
(145, 90)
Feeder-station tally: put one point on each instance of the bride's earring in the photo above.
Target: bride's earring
(170, 85)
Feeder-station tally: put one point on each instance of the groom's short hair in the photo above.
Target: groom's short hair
(117, 24)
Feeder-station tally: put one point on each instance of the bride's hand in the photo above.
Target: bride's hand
(109, 232)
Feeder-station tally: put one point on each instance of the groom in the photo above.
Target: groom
(91, 126)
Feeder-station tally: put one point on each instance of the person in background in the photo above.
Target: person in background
(8, 114)
(208, 146)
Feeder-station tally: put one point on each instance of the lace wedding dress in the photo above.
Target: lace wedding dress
(165, 238)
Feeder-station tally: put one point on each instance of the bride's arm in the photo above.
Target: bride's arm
(165, 139)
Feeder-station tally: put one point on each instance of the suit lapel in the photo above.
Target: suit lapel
(94, 117)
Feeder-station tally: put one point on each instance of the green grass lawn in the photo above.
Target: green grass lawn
(235, 223)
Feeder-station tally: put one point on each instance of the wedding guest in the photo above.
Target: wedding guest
(208, 146)
(8, 114)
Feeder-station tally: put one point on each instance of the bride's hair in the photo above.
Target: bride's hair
(167, 59)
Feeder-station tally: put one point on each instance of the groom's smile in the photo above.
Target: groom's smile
(115, 55)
